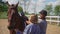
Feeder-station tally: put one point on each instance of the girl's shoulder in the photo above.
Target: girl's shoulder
(28, 26)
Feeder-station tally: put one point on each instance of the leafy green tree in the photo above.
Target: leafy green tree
(20, 8)
(57, 10)
(3, 7)
(49, 9)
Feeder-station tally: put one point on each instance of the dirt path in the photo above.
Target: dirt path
(3, 26)
(51, 29)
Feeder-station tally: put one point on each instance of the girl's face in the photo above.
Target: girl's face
(42, 16)
(28, 22)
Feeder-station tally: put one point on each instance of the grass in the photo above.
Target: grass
(3, 15)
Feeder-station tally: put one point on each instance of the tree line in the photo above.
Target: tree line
(53, 10)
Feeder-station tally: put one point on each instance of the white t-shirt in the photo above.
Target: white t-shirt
(12, 1)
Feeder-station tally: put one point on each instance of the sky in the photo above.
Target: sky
(38, 4)
(41, 4)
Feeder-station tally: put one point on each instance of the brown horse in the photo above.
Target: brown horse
(15, 20)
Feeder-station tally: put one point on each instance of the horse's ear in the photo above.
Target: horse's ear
(17, 4)
(7, 3)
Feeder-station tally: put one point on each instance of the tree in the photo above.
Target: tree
(20, 8)
(57, 10)
(26, 4)
(49, 9)
(3, 7)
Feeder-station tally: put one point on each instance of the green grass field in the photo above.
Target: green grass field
(3, 15)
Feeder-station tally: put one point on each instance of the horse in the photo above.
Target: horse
(15, 20)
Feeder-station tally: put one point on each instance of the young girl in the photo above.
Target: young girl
(33, 27)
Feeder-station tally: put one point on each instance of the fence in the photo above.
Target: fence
(53, 19)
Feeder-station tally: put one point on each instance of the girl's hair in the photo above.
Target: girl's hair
(34, 18)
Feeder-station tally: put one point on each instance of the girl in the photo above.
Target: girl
(33, 27)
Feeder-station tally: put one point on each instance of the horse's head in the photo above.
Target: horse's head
(12, 9)
(13, 6)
